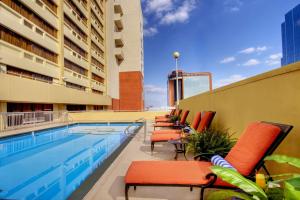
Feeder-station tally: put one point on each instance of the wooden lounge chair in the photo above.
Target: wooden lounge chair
(259, 140)
(205, 123)
(168, 119)
(171, 124)
(172, 112)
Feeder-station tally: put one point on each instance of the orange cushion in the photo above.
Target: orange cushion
(164, 137)
(196, 120)
(172, 131)
(163, 124)
(162, 120)
(184, 116)
(251, 146)
(205, 121)
(170, 172)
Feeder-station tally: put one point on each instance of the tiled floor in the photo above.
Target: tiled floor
(111, 185)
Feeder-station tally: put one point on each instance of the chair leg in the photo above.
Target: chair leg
(126, 192)
(191, 188)
(152, 146)
(202, 194)
(134, 187)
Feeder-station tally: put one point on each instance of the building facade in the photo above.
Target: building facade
(290, 31)
(65, 54)
(189, 84)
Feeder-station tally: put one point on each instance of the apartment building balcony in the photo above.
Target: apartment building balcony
(68, 10)
(118, 7)
(22, 59)
(118, 20)
(97, 12)
(97, 41)
(118, 37)
(75, 58)
(119, 54)
(98, 86)
(42, 10)
(98, 71)
(76, 78)
(98, 57)
(19, 24)
(98, 27)
(74, 37)
(81, 6)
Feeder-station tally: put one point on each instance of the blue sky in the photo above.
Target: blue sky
(232, 39)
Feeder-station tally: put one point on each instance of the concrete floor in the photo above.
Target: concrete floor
(111, 185)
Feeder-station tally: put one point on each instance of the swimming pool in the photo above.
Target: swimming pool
(52, 163)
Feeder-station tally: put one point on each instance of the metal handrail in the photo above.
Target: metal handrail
(126, 131)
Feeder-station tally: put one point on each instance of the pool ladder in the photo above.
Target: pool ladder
(127, 132)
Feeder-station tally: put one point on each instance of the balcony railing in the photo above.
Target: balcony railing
(17, 120)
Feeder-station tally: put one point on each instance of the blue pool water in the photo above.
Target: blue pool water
(51, 164)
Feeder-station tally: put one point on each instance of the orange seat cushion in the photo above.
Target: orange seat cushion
(163, 119)
(251, 146)
(169, 131)
(196, 120)
(169, 172)
(164, 137)
(164, 124)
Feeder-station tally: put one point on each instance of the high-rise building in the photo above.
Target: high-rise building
(290, 30)
(70, 55)
(189, 84)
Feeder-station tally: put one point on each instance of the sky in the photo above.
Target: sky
(232, 39)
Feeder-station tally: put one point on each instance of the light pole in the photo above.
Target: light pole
(176, 55)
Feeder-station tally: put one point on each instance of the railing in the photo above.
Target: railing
(17, 120)
(143, 120)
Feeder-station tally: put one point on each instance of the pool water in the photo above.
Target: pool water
(51, 164)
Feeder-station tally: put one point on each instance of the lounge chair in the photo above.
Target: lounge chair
(259, 140)
(205, 123)
(194, 125)
(168, 119)
(171, 124)
(172, 112)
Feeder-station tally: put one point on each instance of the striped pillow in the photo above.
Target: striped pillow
(220, 161)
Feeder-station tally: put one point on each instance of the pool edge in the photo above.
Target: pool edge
(92, 179)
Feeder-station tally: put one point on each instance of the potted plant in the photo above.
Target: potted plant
(210, 142)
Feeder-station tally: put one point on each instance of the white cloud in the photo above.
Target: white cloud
(233, 5)
(151, 31)
(181, 14)
(253, 50)
(158, 6)
(155, 96)
(274, 59)
(155, 89)
(229, 80)
(252, 62)
(227, 60)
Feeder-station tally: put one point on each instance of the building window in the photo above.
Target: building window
(28, 107)
(97, 78)
(97, 92)
(27, 74)
(75, 28)
(78, 12)
(19, 41)
(74, 47)
(76, 107)
(30, 15)
(97, 63)
(74, 67)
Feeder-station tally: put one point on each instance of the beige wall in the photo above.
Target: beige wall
(114, 116)
(15, 89)
(273, 96)
(133, 36)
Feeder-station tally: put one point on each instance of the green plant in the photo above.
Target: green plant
(210, 142)
(290, 191)
(175, 118)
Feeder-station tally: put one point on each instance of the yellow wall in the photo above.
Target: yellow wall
(273, 96)
(113, 116)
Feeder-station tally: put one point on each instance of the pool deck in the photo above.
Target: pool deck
(111, 185)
